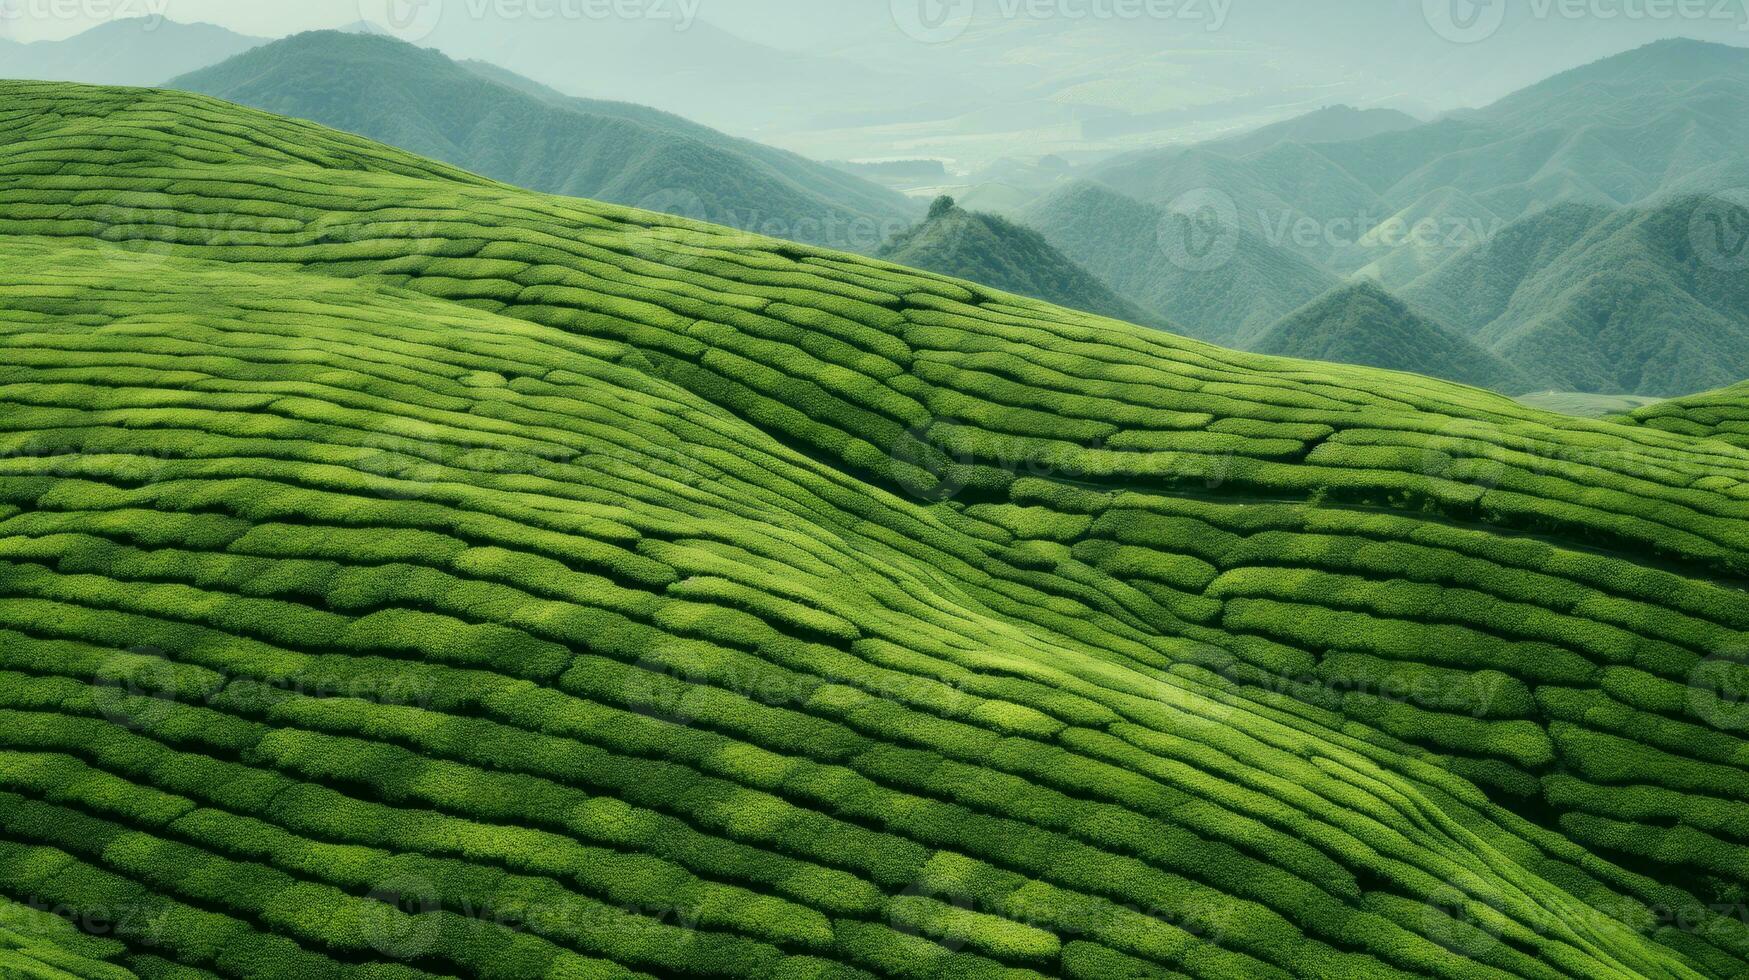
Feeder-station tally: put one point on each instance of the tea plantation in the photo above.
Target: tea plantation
(405, 575)
(1721, 415)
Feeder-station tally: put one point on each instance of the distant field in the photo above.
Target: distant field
(1586, 405)
(404, 575)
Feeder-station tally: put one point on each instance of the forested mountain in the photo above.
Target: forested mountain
(1649, 301)
(1550, 226)
(1616, 132)
(994, 251)
(1475, 286)
(1638, 305)
(487, 120)
(1229, 296)
(1363, 324)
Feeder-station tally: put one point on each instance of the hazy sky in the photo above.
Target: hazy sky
(808, 22)
(974, 80)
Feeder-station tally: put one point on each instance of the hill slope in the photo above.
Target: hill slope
(133, 51)
(991, 250)
(488, 121)
(1721, 415)
(404, 575)
(1363, 324)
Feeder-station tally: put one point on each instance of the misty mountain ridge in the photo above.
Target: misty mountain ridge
(138, 51)
(492, 121)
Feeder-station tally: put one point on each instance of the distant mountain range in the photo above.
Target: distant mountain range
(1554, 228)
(490, 120)
(134, 51)
(1617, 132)
(994, 251)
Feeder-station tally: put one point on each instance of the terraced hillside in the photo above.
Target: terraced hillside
(405, 575)
(1720, 415)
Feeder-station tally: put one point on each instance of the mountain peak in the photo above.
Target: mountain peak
(491, 121)
(1361, 322)
(994, 251)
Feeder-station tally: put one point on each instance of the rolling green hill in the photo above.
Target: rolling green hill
(406, 575)
(488, 120)
(997, 252)
(1364, 324)
(1247, 287)
(1721, 415)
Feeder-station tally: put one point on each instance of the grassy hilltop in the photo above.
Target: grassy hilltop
(405, 575)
